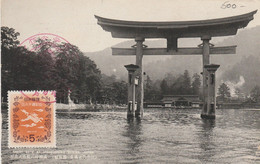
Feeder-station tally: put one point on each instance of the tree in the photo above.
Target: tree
(239, 93)
(9, 45)
(164, 87)
(106, 80)
(74, 72)
(182, 84)
(169, 78)
(148, 83)
(9, 38)
(196, 83)
(106, 95)
(177, 87)
(120, 92)
(186, 82)
(255, 94)
(223, 92)
(23, 69)
(62, 70)
(148, 89)
(112, 91)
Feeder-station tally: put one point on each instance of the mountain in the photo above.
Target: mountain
(114, 65)
(243, 70)
(244, 74)
(247, 41)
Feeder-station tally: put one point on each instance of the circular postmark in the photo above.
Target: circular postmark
(53, 43)
(35, 42)
(44, 94)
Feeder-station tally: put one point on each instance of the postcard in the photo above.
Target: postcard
(133, 81)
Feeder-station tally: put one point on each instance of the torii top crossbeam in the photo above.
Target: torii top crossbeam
(179, 29)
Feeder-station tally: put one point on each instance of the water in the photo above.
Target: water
(162, 136)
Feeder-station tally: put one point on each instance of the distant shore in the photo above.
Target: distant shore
(115, 108)
(87, 107)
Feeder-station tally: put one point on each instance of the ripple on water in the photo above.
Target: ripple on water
(163, 135)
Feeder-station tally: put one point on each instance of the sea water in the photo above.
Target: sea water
(161, 136)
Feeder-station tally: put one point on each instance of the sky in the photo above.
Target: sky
(74, 19)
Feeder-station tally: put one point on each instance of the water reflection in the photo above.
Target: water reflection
(134, 133)
(206, 139)
(208, 124)
(162, 136)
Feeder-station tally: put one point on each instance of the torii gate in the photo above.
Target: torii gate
(205, 29)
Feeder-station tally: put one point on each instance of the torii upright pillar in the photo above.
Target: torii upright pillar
(205, 61)
(211, 95)
(139, 75)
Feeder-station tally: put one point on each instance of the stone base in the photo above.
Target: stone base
(130, 115)
(205, 116)
(138, 115)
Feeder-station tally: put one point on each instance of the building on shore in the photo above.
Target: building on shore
(181, 100)
(172, 101)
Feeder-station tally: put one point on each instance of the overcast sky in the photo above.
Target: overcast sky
(74, 19)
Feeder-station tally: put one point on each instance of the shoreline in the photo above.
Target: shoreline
(70, 108)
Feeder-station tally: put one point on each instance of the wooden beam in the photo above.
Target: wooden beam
(128, 33)
(183, 29)
(172, 44)
(181, 51)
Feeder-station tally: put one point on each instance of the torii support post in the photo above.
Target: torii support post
(205, 61)
(139, 74)
(131, 89)
(211, 93)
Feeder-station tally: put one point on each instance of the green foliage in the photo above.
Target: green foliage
(151, 93)
(120, 92)
(24, 70)
(186, 82)
(182, 85)
(223, 92)
(171, 85)
(62, 70)
(255, 94)
(112, 91)
(240, 95)
(164, 87)
(9, 38)
(196, 84)
(178, 86)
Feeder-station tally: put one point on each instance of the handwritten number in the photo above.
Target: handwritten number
(223, 6)
(228, 5)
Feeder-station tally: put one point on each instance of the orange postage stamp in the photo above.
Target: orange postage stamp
(31, 118)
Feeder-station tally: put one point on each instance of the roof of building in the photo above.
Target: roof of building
(171, 98)
(180, 95)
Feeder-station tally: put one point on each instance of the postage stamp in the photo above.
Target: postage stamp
(31, 118)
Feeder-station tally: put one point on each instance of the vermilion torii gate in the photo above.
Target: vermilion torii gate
(205, 29)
